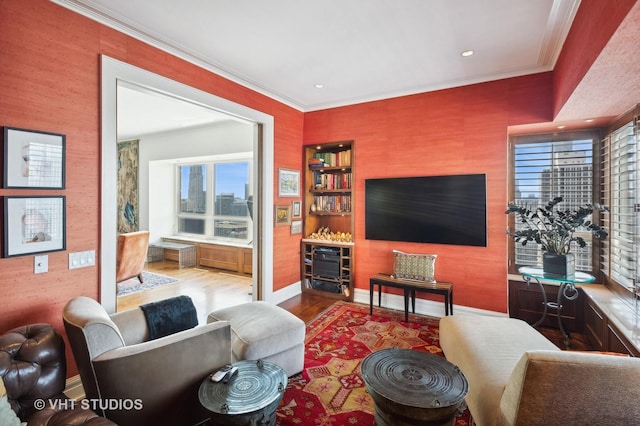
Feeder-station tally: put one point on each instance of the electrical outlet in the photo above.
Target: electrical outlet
(40, 264)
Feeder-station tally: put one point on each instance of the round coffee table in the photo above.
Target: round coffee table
(250, 397)
(411, 387)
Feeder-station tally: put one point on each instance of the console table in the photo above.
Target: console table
(410, 287)
(567, 290)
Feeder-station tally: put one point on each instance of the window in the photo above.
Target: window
(549, 166)
(619, 162)
(219, 214)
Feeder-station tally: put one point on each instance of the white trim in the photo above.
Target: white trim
(114, 70)
(73, 388)
(286, 293)
(429, 308)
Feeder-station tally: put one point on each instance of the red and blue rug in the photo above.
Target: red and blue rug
(330, 391)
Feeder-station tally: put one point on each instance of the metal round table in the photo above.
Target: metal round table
(411, 387)
(250, 397)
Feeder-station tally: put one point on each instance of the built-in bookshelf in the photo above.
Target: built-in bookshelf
(327, 268)
(327, 247)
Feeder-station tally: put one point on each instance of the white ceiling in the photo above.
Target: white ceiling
(359, 50)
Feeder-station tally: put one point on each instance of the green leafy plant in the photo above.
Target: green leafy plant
(553, 229)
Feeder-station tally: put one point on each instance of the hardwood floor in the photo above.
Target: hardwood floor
(212, 289)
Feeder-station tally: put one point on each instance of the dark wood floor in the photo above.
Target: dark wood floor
(211, 289)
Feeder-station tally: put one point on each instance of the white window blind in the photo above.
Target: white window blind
(620, 192)
(549, 166)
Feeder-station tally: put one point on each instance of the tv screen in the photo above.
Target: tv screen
(429, 209)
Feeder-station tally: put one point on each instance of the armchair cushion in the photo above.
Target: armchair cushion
(569, 387)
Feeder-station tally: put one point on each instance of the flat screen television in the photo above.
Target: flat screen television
(427, 209)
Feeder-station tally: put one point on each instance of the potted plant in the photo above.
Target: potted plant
(554, 230)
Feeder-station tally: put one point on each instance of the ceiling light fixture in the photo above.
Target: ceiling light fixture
(467, 53)
(562, 126)
(318, 86)
(588, 120)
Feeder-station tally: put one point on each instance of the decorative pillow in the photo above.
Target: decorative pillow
(416, 267)
(8, 417)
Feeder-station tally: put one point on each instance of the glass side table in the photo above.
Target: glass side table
(567, 290)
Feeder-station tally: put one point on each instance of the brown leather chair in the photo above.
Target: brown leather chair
(33, 369)
(131, 255)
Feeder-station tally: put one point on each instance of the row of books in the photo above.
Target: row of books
(332, 181)
(333, 203)
(331, 159)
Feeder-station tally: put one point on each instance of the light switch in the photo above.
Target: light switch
(41, 264)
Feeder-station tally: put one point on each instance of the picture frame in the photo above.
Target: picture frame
(34, 224)
(282, 215)
(288, 183)
(296, 209)
(33, 159)
(296, 227)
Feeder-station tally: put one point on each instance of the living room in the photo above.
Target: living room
(52, 82)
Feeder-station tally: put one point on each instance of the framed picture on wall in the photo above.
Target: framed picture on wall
(33, 159)
(296, 209)
(288, 183)
(282, 215)
(296, 227)
(33, 225)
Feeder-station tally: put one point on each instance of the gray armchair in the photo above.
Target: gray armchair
(160, 378)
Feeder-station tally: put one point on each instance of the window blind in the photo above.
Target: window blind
(619, 254)
(549, 166)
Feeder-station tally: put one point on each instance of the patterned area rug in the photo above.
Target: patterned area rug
(150, 280)
(330, 391)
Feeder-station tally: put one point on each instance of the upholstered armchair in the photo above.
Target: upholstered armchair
(131, 255)
(117, 361)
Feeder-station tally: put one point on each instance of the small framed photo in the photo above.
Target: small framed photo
(296, 209)
(33, 159)
(33, 225)
(282, 215)
(296, 227)
(288, 183)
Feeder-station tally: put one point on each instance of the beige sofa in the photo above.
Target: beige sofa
(518, 377)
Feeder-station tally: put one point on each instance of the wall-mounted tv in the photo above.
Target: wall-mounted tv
(427, 209)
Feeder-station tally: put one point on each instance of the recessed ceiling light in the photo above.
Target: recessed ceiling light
(588, 120)
(467, 53)
(318, 86)
(562, 126)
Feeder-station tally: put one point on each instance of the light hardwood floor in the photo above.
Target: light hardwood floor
(210, 289)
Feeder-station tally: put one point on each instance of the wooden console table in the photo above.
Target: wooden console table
(410, 288)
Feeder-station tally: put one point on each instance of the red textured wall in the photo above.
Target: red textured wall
(50, 61)
(455, 131)
(593, 26)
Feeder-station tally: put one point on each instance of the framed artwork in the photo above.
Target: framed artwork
(296, 209)
(33, 159)
(296, 227)
(288, 183)
(33, 225)
(282, 215)
(128, 204)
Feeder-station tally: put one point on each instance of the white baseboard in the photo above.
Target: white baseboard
(429, 308)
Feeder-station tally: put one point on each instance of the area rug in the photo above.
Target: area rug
(150, 280)
(330, 391)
